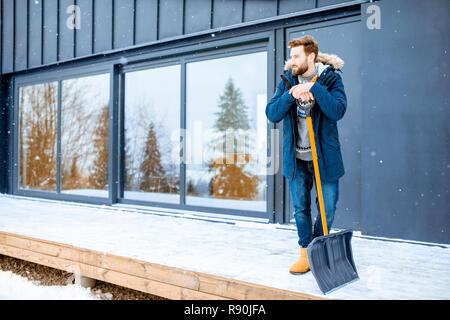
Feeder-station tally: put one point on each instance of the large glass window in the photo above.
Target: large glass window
(227, 132)
(152, 123)
(37, 136)
(84, 135)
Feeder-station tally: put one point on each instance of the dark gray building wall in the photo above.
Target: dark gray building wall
(406, 137)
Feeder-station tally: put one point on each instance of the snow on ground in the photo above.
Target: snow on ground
(14, 287)
(245, 250)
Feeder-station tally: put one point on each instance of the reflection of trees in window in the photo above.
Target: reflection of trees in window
(145, 168)
(84, 133)
(191, 189)
(99, 172)
(75, 122)
(154, 176)
(231, 179)
(38, 136)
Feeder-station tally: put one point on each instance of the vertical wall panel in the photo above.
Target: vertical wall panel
(197, 15)
(170, 22)
(8, 36)
(102, 25)
(289, 6)
(34, 33)
(66, 30)
(259, 9)
(3, 135)
(20, 43)
(406, 154)
(1, 19)
(50, 26)
(146, 20)
(226, 12)
(83, 36)
(123, 31)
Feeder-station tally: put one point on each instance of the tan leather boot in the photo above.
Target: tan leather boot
(302, 265)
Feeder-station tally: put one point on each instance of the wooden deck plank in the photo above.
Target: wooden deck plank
(138, 274)
(149, 286)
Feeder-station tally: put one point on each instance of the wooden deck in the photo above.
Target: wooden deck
(156, 279)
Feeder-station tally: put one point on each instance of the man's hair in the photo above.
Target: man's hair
(309, 44)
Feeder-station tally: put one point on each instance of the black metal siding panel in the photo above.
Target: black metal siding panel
(34, 33)
(84, 35)
(170, 22)
(289, 6)
(227, 12)
(1, 19)
(405, 154)
(259, 9)
(20, 43)
(197, 15)
(50, 30)
(66, 44)
(3, 135)
(123, 31)
(146, 22)
(8, 37)
(102, 25)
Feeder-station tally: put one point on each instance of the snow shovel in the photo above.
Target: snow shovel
(330, 256)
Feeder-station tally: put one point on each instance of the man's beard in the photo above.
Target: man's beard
(300, 70)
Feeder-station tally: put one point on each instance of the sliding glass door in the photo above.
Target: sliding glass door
(226, 121)
(151, 118)
(84, 135)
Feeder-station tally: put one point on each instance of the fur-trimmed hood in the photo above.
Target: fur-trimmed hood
(324, 58)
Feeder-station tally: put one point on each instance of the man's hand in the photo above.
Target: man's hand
(306, 96)
(301, 91)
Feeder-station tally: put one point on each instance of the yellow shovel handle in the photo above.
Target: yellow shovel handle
(316, 171)
(317, 174)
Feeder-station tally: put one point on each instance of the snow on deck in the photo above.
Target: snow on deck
(244, 250)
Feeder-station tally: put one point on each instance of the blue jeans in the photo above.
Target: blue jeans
(301, 187)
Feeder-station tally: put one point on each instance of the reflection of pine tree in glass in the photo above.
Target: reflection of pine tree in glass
(38, 136)
(230, 180)
(191, 189)
(232, 115)
(99, 177)
(154, 176)
(233, 111)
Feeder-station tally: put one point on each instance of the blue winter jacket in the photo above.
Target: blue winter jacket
(331, 104)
